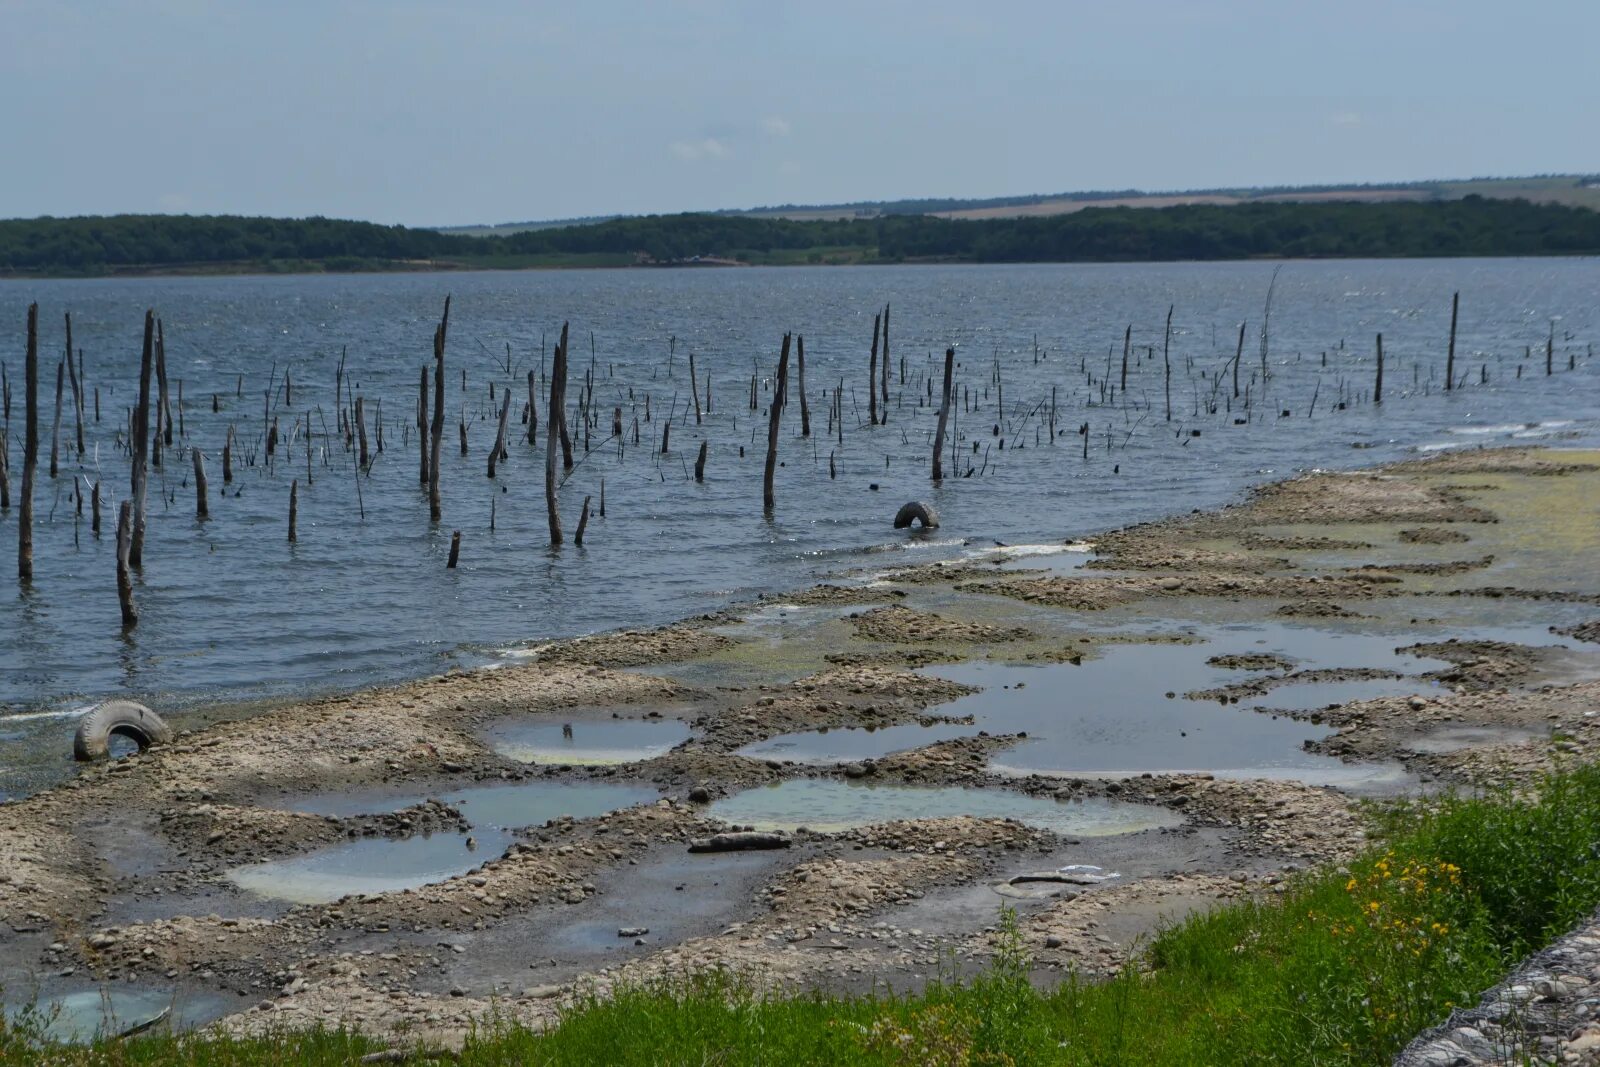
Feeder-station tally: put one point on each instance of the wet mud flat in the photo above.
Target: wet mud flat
(1104, 740)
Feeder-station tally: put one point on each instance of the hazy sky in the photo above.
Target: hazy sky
(432, 113)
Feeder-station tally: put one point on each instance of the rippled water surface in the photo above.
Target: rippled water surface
(231, 610)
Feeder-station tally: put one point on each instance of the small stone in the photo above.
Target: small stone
(1052, 941)
(633, 931)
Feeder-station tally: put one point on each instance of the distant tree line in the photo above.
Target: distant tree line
(1467, 227)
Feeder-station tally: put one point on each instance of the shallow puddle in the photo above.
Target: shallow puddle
(387, 865)
(831, 806)
(89, 1013)
(587, 743)
(1113, 716)
(371, 865)
(846, 744)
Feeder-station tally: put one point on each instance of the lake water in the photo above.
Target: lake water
(231, 610)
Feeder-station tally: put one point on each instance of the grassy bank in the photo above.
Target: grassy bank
(1344, 967)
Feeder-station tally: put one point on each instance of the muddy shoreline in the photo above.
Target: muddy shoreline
(1423, 625)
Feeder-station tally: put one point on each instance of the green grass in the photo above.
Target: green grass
(1343, 968)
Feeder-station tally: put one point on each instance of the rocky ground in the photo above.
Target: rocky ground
(121, 875)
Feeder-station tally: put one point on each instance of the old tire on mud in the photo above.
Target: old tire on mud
(918, 511)
(120, 718)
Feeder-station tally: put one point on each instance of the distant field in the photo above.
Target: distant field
(1571, 190)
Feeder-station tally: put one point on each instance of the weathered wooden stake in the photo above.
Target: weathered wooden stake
(805, 409)
(141, 443)
(1166, 360)
(455, 551)
(553, 423)
(130, 614)
(775, 409)
(77, 389)
(1450, 356)
(361, 432)
(435, 510)
(94, 499)
(30, 446)
(533, 413)
(1377, 384)
(583, 523)
(884, 383)
(201, 511)
(700, 464)
(944, 414)
(694, 387)
(872, 373)
(498, 451)
(294, 508)
(422, 429)
(55, 426)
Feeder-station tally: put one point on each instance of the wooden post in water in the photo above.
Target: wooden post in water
(1166, 360)
(130, 614)
(5, 471)
(700, 464)
(141, 443)
(422, 429)
(455, 551)
(30, 446)
(556, 416)
(944, 415)
(1550, 350)
(583, 522)
(1127, 341)
(94, 497)
(361, 432)
(805, 409)
(201, 511)
(165, 418)
(77, 390)
(435, 511)
(884, 364)
(227, 456)
(1450, 355)
(55, 426)
(775, 412)
(533, 412)
(694, 388)
(498, 451)
(872, 374)
(1377, 384)
(294, 508)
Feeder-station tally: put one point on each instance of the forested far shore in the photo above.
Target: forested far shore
(116, 244)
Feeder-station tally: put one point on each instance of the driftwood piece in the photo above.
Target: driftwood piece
(740, 841)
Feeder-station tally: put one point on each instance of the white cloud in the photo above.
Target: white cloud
(704, 148)
(774, 126)
(1345, 118)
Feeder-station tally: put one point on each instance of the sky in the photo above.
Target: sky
(430, 113)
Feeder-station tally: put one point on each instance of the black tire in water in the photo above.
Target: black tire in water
(121, 718)
(916, 511)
